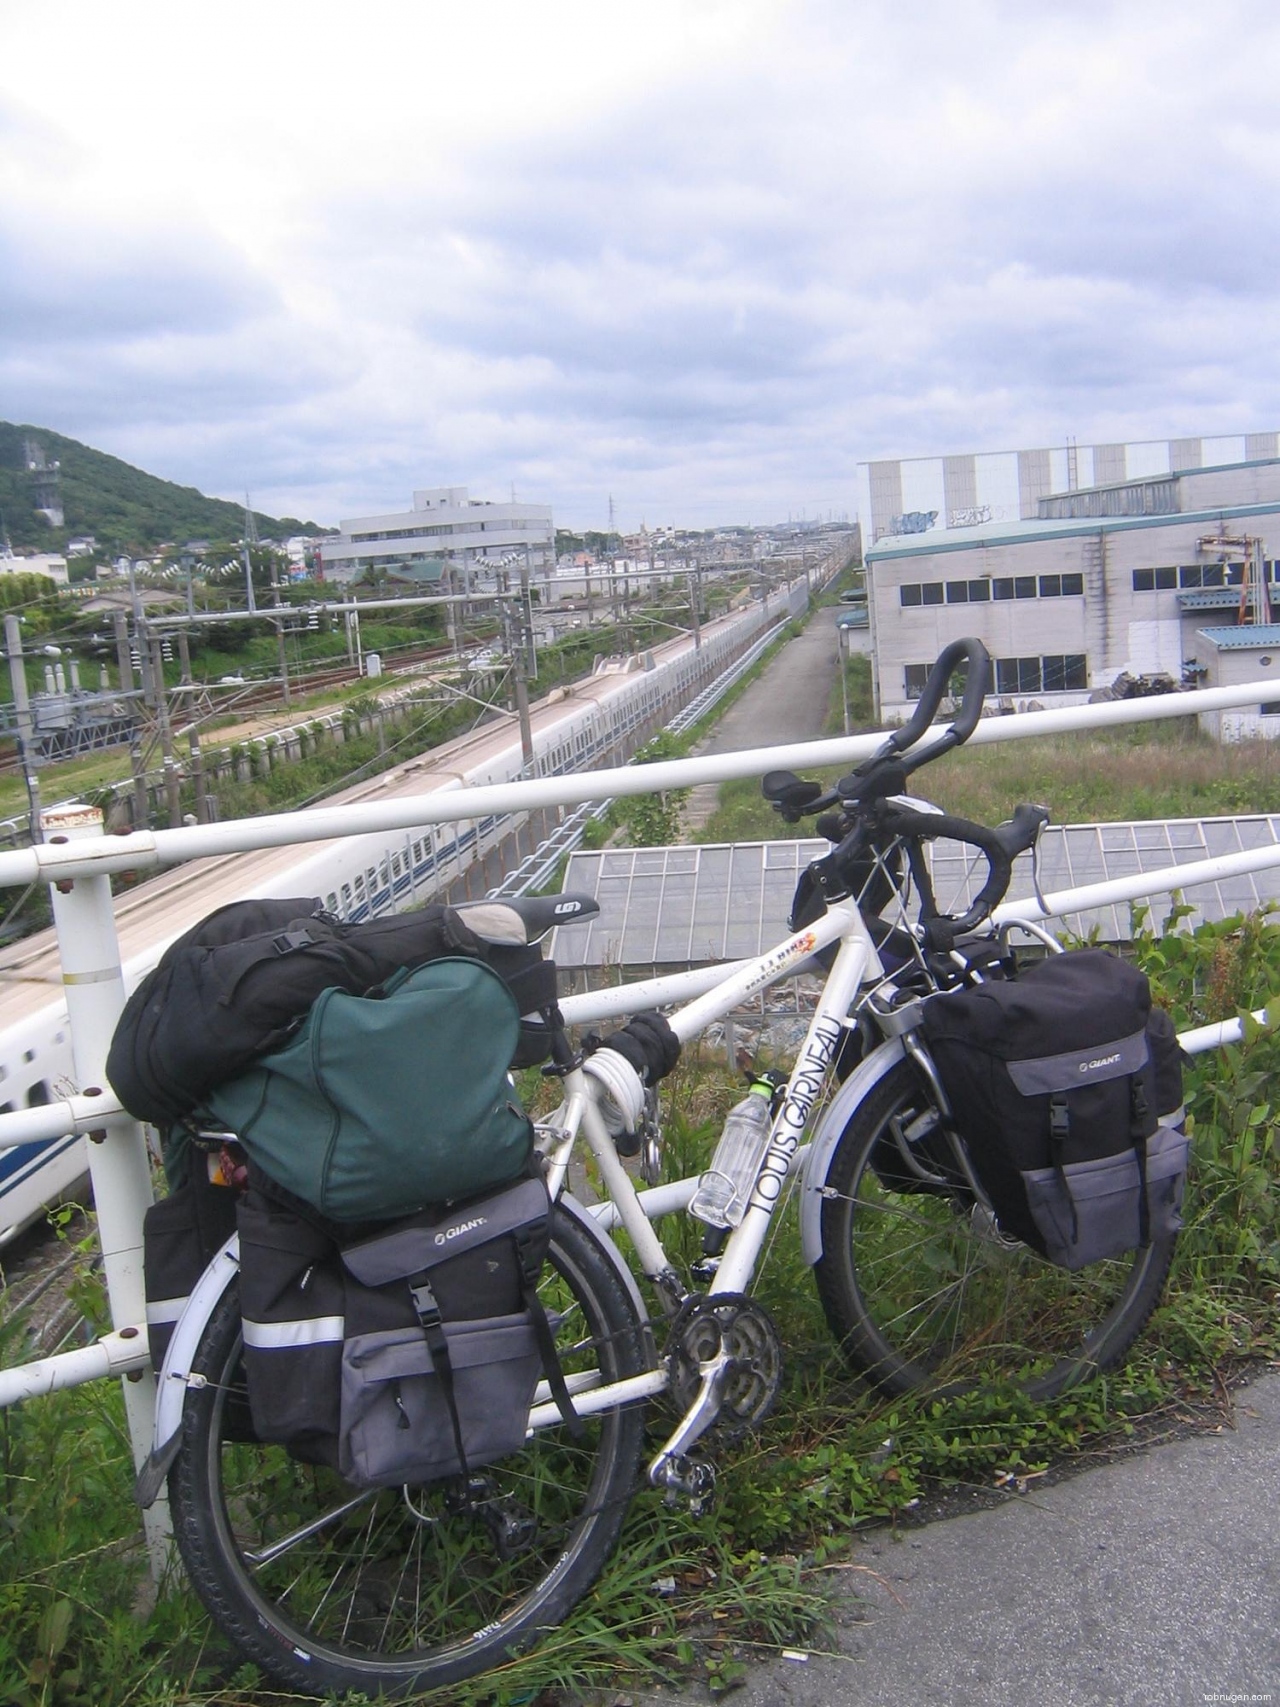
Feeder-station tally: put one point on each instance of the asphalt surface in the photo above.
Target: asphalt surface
(787, 702)
(1150, 1582)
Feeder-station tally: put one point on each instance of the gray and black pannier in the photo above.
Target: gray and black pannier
(1067, 1089)
(403, 1352)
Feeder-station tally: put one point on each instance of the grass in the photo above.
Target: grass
(693, 1597)
(1163, 770)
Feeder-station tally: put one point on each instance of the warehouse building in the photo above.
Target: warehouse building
(1170, 575)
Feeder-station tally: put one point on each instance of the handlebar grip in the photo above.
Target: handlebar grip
(977, 684)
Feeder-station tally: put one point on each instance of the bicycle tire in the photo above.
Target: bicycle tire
(403, 1593)
(923, 1292)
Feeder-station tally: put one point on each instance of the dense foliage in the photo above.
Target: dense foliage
(125, 509)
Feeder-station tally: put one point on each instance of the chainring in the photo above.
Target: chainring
(747, 1332)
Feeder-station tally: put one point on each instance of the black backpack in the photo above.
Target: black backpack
(238, 984)
(1067, 1089)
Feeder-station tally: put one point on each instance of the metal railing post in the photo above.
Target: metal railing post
(118, 1164)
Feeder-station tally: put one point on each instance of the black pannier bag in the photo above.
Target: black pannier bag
(181, 1235)
(1067, 1089)
(400, 1353)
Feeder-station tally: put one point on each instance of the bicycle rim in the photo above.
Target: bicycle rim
(408, 1588)
(923, 1291)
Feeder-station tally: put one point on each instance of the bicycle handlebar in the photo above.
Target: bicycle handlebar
(921, 826)
(886, 771)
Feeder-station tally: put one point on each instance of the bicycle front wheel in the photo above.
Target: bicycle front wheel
(922, 1290)
(402, 1589)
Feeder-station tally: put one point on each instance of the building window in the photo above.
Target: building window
(915, 676)
(983, 590)
(1014, 587)
(1160, 580)
(1054, 673)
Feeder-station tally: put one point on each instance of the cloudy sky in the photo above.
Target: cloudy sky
(702, 256)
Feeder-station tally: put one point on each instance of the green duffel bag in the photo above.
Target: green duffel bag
(382, 1104)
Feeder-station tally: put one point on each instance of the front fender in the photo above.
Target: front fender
(171, 1387)
(860, 1083)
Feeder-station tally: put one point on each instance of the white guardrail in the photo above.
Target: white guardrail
(77, 861)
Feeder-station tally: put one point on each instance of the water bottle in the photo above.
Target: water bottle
(723, 1191)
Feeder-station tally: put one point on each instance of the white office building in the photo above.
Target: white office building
(443, 523)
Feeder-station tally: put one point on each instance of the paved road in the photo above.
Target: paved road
(1151, 1582)
(788, 701)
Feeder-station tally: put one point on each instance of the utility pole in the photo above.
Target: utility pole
(172, 784)
(123, 660)
(197, 778)
(26, 730)
(520, 687)
(526, 606)
(695, 605)
(250, 538)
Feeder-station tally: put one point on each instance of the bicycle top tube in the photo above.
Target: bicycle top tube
(779, 962)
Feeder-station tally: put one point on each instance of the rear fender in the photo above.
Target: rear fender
(175, 1374)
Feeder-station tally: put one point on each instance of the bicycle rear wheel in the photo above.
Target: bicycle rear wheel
(404, 1589)
(922, 1290)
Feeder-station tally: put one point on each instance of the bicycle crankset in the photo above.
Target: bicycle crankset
(745, 1331)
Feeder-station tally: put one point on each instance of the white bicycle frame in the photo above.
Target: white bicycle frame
(857, 962)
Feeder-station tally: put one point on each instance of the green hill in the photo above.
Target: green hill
(123, 508)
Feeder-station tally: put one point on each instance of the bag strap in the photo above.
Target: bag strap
(1138, 1118)
(1059, 1131)
(530, 1267)
(429, 1319)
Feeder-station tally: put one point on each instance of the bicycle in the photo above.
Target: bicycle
(395, 1590)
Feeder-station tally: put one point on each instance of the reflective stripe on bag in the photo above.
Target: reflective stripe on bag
(278, 1336)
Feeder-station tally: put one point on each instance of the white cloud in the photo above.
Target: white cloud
(701, 256)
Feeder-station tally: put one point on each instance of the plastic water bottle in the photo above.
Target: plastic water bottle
(723, 1191)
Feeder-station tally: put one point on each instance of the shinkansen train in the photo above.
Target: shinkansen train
(356, 877)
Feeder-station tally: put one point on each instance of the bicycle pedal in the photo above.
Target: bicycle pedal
(692, 1480)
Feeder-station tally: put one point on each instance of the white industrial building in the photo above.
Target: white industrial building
(1166, 575)
(937, 494)
(443, 523)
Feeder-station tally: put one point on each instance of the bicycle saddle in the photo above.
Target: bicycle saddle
(526, 918)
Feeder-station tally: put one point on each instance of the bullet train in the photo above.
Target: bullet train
(356, 877)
